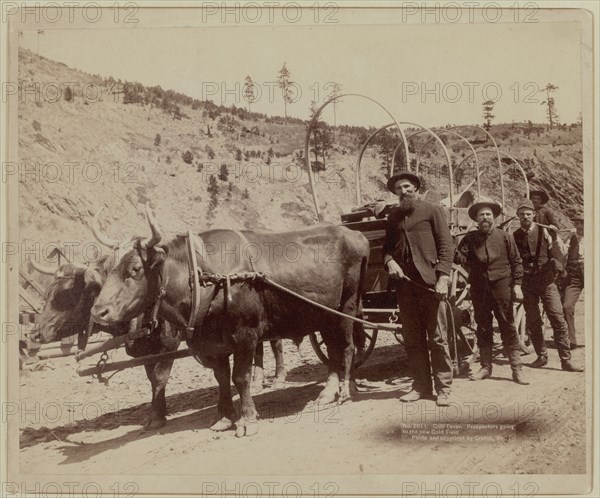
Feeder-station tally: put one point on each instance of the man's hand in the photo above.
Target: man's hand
(518, 294)
(394, 270)
(553, 230)
(441, 287)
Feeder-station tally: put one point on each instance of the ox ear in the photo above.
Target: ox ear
(157, 258)
(92, 277)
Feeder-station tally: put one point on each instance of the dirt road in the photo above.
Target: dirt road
(76, 425)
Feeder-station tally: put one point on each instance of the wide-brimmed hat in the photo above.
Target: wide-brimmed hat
(542, 193)
(475, 208)
(526, 204)
(411, 177)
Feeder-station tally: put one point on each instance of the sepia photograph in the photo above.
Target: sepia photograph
(299, 249)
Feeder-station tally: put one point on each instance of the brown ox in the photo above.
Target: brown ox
(68, 302)
(323, 263)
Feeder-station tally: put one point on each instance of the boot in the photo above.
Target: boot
(567, 366)
(518, 376)
(541, 361)
(485, 371)
(514, 357)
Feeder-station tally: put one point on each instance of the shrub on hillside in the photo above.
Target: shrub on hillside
(187, 157)
(223, 173)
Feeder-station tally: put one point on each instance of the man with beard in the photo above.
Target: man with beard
(495, 274)
(418, 256)
(538, 249)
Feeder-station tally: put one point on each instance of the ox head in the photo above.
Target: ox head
(71, 294)
(131, 286)
(68, 300)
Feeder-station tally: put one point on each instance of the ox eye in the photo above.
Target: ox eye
(134, 271)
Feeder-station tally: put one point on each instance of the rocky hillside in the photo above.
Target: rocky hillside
(95, 152)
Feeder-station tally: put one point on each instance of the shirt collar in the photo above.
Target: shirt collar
(531, 228)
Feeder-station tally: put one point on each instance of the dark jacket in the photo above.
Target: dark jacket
(428, 236)
(574, 267)
(490, 256)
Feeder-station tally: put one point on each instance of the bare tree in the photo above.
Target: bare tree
(550, 106)
(337, 90)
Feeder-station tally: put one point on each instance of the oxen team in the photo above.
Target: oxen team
(116, 295)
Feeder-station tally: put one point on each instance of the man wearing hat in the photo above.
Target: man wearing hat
(538, 249)
(495, 274)
(543, 214)
(418, 253)
(574, 280)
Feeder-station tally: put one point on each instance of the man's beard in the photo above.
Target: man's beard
(407, 204)
(485, 226)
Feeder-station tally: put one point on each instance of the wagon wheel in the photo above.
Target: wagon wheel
(318, 344)
(459, 289)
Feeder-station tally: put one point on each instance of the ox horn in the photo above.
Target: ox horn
(46, 270)
(100, 237)
(156, 236)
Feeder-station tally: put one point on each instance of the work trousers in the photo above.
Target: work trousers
(424, 329)
(541, 287)
(495, 299)
(572, 293)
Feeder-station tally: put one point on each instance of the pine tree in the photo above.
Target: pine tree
(488, 107)
(250, 94)
(223, 173)
(285, 83)
(550, 105)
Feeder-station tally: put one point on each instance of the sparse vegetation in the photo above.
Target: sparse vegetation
(187, 157)
(223, 173)
(553, 158)
(68, 94)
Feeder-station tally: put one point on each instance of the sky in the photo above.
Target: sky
(429, 73)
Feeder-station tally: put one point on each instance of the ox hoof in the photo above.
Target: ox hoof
(246, 428)
(278, 383)
(155, 423)
(223, 424)
(343, 399)
(326, 398)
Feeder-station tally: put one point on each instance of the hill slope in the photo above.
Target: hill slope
(91, 153)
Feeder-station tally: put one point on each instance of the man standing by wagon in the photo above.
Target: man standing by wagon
(418, 254)
(538, 248)
(495, 274)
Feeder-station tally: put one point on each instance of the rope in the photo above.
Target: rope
(217, 278)
(325, 308)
